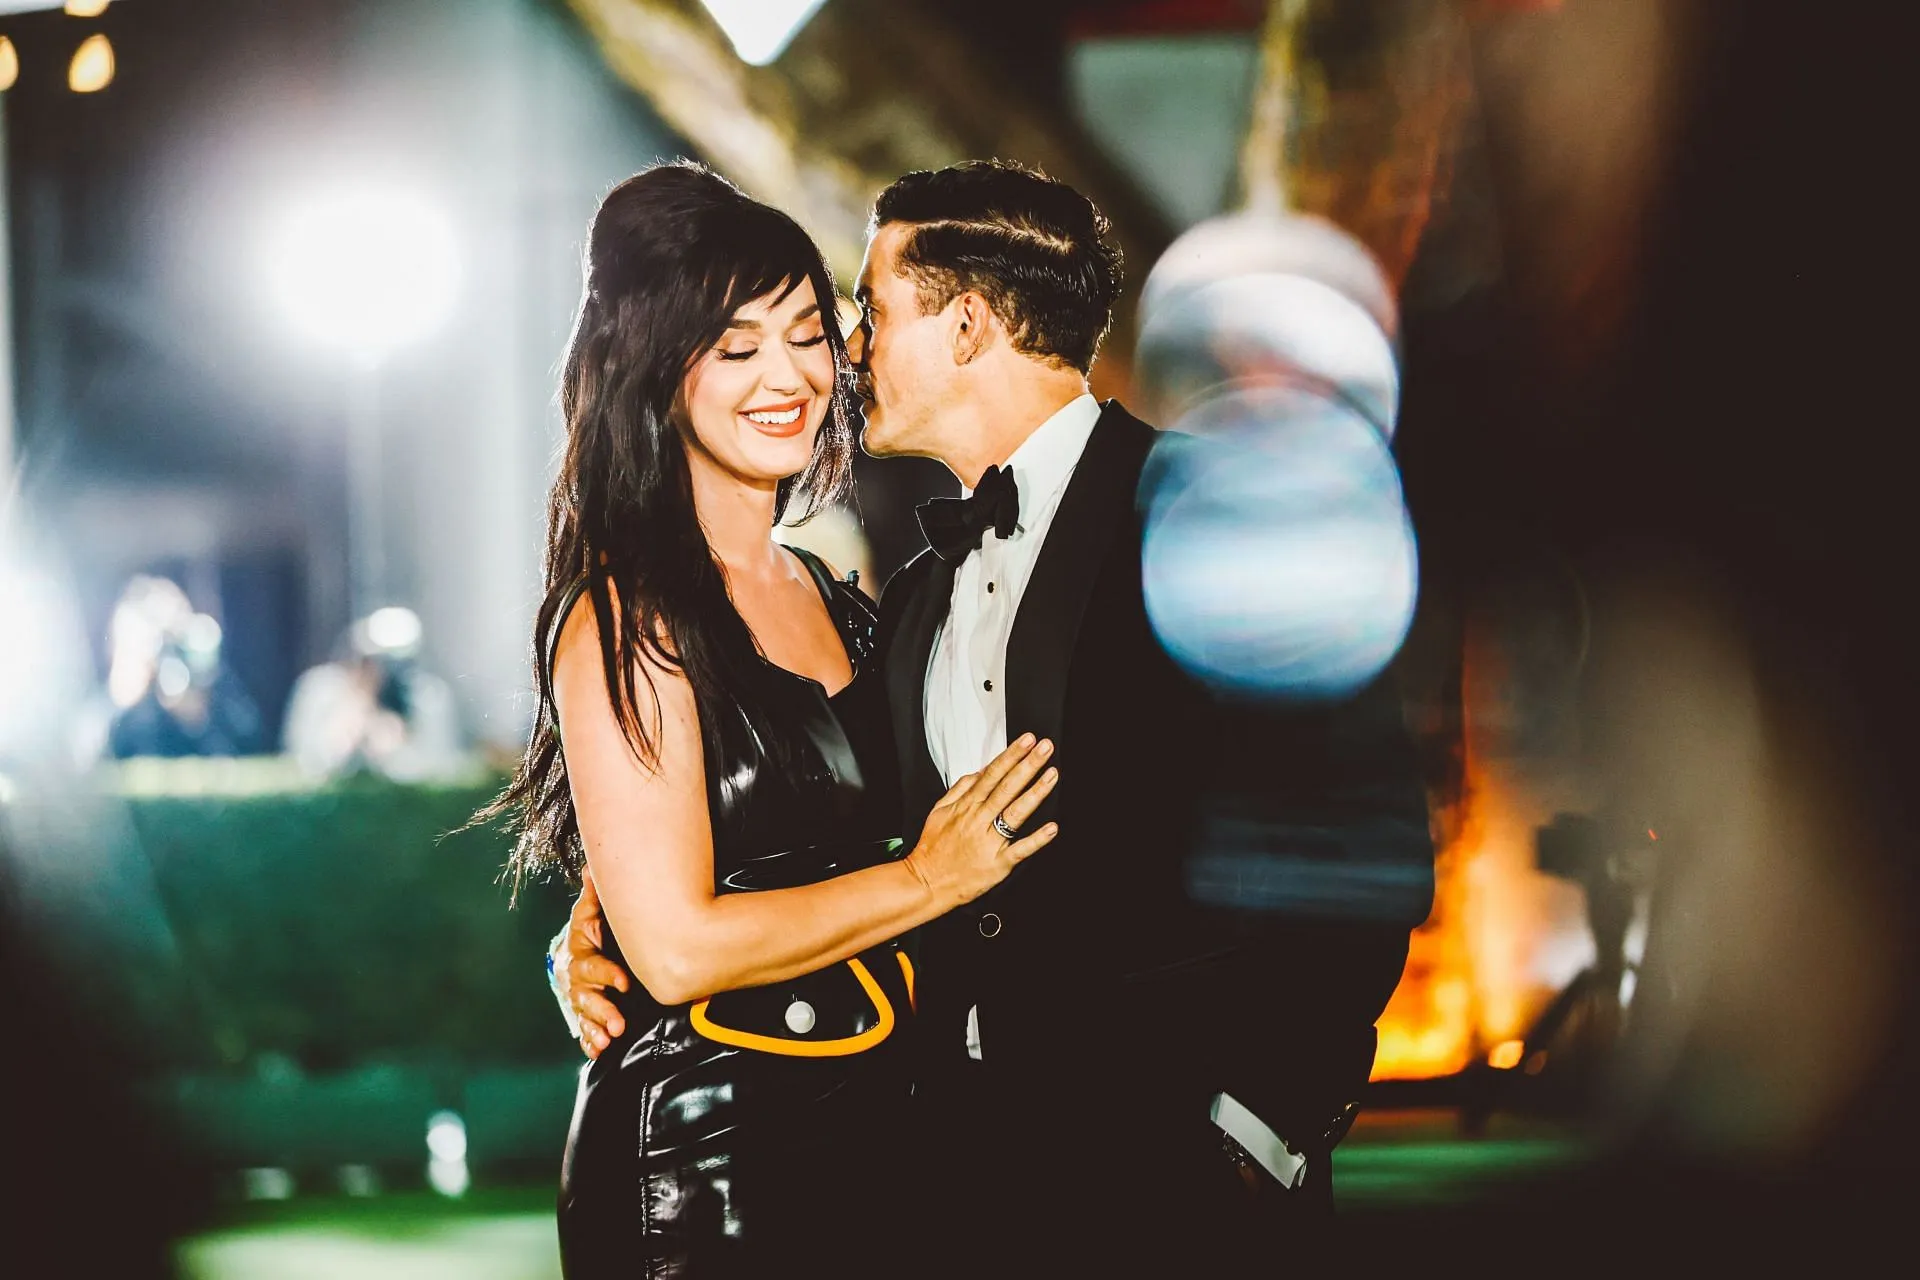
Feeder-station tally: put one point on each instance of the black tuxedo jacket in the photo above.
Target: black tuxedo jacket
(1103, 972)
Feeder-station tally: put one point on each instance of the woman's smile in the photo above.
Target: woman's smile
(779, 420)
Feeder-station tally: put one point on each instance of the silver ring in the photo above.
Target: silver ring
(1000, 825)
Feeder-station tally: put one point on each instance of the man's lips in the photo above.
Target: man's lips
(778, 420)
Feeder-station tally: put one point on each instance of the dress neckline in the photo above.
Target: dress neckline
(823, 584)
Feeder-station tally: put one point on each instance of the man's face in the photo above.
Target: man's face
(905, 359)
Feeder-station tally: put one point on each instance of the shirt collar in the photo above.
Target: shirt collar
(1045, 459)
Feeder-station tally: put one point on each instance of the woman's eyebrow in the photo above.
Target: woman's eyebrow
(741, 322)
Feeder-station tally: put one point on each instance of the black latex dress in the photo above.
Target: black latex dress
(692, 1153)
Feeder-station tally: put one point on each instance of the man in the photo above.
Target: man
(1114, 1074)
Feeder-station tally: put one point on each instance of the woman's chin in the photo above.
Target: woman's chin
(773, 461)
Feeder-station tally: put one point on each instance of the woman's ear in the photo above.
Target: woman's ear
(973, 331)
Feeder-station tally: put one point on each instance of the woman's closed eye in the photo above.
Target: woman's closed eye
(750, 352)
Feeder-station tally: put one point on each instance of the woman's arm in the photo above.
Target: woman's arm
(649, 846)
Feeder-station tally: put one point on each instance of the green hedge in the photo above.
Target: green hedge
(271, 926)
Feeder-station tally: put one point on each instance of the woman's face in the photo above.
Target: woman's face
(754, 402)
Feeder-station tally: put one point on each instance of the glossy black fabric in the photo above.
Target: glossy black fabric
(1112, 1005)
(689, 1157)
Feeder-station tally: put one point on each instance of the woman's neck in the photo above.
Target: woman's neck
(738, 519)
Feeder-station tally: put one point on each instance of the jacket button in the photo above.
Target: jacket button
(800, 1017)
(990, 925)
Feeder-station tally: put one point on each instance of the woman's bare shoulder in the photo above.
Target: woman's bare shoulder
(578, 647)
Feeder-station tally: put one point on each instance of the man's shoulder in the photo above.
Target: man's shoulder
(1114, 415)
(904, 582)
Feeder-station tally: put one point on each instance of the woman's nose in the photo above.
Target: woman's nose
(783, 372)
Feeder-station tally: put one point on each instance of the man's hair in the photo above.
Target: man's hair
(1037, 250)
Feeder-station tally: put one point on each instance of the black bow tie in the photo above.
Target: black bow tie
(954, 526)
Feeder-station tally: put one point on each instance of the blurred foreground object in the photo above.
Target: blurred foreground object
(377, 708)
(1279, 558)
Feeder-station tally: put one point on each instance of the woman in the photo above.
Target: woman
(712, 749)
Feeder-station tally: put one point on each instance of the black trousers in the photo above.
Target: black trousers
(1015, 1187)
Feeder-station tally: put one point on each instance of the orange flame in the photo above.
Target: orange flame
(1478, 970)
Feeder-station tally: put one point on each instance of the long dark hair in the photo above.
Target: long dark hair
(672, 254)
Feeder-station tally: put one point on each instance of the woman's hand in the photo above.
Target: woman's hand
(961, 853)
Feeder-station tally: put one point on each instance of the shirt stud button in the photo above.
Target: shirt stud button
(987, 685)
(800, 1017)
(989, 588)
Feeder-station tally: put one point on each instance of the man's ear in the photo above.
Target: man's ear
(972, 331)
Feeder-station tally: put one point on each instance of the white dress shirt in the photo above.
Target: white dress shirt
(965, 701)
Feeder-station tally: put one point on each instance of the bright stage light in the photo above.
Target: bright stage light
(364, 271)
(86, 8)
(9, 64)
(760, 30)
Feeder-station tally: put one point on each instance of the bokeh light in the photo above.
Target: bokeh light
(92, 67)
(363, 270)
(447, 1170)
(1279, 559)
(392, 630)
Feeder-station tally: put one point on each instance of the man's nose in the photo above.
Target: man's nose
(857, 346)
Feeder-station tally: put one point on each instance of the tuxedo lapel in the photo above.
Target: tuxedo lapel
(1040, 649)
(929, 594)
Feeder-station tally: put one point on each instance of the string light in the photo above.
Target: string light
(92, 67)
(86, 8)
(9, 64)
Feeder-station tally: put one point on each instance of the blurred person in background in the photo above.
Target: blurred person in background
(171, 694)
(377, 709)
(1111, 1074)
(712, 755)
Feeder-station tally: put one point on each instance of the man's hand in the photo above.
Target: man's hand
(581, 974)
